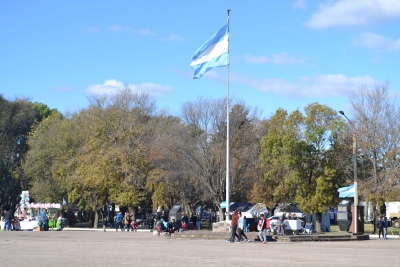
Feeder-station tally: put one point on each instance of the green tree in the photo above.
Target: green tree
(112, 162)
(52, 144)
(281, 148)
(301, 156)
(323, 128)
(17, 118)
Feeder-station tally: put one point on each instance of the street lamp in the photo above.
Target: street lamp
(355, 173)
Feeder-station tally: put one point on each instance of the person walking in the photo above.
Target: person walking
(379, 225)
(385, 227)
(118, 221)
(127, 221)
(234, 225)
(104, 223)
(262, 227)
(241, 227)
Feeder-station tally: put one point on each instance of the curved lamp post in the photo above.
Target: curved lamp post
(355, 173)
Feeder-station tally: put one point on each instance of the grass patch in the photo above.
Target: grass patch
(368, 229)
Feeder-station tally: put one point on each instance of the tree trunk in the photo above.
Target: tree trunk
(96, 219)
(318, 222)
(132, 212)
(375, 211)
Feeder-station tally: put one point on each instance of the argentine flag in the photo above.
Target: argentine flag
(347, 191)
(213, 53)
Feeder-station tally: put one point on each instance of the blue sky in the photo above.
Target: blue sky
(284, 54)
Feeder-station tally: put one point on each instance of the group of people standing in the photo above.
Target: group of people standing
(123, 222)
(382, 226)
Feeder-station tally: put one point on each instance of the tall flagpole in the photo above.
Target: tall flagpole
(227, 130)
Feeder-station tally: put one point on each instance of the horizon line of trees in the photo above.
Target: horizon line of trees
(121, 150)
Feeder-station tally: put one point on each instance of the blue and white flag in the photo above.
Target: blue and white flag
(347, 191)
(213, 53)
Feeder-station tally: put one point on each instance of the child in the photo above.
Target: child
(134, 226)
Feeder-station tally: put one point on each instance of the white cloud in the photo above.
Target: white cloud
(280, 59)
(110, 87)
(299, 5)
(376, 41)
(322, 85)
(120, 28)
(354, 12)
(144, 31)
(174, 38)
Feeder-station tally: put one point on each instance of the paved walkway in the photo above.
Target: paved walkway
(142, 248)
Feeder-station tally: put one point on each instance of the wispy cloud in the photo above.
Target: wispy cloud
(379, 42)
(120, 28)
(174, 38)
(110, 87)
(299, 4)
(280, 59)
(92, 30)
(353, 12)
(321, 85)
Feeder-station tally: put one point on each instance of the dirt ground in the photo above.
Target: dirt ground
(98, 248)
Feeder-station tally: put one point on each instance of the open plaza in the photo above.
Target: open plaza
(143, 248)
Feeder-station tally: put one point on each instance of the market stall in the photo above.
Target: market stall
(27, 214)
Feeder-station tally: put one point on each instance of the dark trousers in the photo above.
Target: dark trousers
(119, 225)
(380, 232)
(234, 227)
(241, 234)
(127, 227)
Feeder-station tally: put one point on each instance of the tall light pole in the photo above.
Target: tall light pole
(355, 172)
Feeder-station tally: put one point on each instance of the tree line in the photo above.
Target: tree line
(122, 150)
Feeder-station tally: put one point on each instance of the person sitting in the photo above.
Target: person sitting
(165, 223)
(185, 221)
(173, 227)
(134, 225)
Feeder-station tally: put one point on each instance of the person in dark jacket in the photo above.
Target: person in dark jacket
(385, 227)
(104, 223)
(185, 222)
(173, 226)
(379, 225)
(8, 217)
